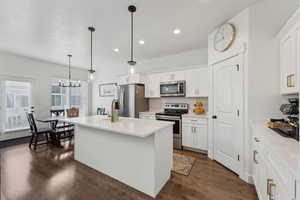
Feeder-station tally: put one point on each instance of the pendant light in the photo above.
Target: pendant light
(132, 10)
(91, 70)
(69, 83)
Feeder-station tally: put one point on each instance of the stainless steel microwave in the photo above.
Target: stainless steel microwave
(172, 89)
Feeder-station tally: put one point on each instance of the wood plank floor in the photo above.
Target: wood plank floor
(52, 174)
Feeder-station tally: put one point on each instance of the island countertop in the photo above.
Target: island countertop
(127, 126)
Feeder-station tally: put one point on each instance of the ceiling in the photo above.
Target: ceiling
(49, 30)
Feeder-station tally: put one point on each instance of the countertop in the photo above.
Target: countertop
(126, 126)
(285, 149)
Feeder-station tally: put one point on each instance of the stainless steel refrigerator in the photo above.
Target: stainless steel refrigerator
(132, 100)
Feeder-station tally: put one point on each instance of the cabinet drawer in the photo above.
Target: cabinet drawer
(194, 120)
(147, 116)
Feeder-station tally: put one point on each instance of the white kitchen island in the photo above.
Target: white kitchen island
(136, 152)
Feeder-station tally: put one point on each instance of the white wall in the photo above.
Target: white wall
(263, 73)
(156, 104)
(175, 62)
(109, 73)
(257, 27)
(41, 74)
(264, 97)
(239, 47)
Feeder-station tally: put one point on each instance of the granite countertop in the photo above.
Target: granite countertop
(126, 126)
(285, 149)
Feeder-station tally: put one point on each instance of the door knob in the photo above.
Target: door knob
(214, 116)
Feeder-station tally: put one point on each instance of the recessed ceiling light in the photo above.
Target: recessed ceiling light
(142, 42)
(116, 50)
(177, 31)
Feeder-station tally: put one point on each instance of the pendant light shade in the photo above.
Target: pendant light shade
(91, 70)
(131, 9)
(69, 83)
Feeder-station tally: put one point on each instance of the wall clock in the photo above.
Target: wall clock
(224, 37)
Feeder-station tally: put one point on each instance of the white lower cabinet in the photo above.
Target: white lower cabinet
(194, 133)
(271, 182)
(147, 116)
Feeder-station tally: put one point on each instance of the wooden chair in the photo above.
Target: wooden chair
(59, 113)
(37, 132)
(62, 133)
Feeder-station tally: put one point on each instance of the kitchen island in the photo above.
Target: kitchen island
(136, 152)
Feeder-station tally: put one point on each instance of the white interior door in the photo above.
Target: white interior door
(1, 108)
(227, 128)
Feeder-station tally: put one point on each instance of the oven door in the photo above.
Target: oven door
(169, 89)
(176, 126)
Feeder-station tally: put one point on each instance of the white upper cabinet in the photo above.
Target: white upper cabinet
(172, 76)
(288, 63)
(152, 86)
(131, 79)
(197, 82)
(289, 42)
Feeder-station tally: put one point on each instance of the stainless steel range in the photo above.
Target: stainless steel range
(173, 112)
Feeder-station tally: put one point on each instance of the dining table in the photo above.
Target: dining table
(53, 121)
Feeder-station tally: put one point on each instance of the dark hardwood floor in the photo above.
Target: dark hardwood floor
(52, 174)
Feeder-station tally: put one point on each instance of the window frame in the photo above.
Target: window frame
(3, 103)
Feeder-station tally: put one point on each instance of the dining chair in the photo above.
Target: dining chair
(62, 133)
(59, 113)
(38, 133)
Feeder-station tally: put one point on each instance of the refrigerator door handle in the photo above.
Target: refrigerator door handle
(122, 100)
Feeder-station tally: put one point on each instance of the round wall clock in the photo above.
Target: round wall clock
(224, 37)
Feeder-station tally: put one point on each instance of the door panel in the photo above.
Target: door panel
(200, 137)
(187, 137)
(227, 103)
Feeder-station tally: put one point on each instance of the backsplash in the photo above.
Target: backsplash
(157, 104)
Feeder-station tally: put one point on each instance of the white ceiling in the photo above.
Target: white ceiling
(51, 29)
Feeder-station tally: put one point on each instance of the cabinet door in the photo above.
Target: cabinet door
(123, 80)
(152, 86)
(261, 176)
(187, 136)
(172, 76)
(200, 137)
(149, 117)
(278, 189)
(288, 63)
(155, 85)
(197, 82)
(148, 87)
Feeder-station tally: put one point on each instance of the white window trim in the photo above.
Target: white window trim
(3, 100)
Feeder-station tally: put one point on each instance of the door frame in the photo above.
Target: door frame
(242, 119)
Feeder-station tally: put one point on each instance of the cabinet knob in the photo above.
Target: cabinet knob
(214, 117)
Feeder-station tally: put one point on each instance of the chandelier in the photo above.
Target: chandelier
(69, 83)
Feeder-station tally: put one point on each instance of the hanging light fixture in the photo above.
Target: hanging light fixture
(69, 83)
(132, 10)
(91, 70)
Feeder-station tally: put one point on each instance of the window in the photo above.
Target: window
(70, 97)
(17, 103)
(75, 97)
(58, 96)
